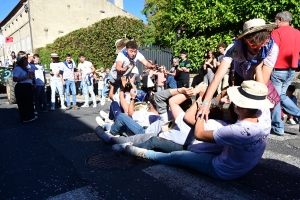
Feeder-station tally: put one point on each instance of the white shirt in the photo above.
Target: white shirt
(86, 68)
(56, 67)
(144, 118)
(125, 63)
(39, 75)
(68, 70)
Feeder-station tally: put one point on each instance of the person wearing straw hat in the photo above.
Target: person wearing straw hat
(254, 54)
(243, 142)
(288, 40)
(23, 89)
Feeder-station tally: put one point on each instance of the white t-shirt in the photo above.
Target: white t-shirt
(68, 70)
(19, 73)
(244, 144)
(125, 63)
(144, 118)
(56, 67)
(86, 68)
(100, 85)
(39, 75)
(235, 53)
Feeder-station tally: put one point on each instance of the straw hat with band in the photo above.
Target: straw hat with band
(120, 44)
(255, 25)
(54, 55)
(251, 94)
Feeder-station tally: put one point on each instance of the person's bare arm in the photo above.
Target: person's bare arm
(133, 93)
(263, 73)
(147, 64)
(123, 102)
(119, 67)
(181, 95)
(201, 134)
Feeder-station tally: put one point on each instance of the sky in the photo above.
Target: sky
(132, 6)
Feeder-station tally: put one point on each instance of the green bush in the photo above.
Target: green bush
(97, 41)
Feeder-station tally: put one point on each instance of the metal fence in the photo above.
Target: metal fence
(159, 55)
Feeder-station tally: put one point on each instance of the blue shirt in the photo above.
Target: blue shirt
(171, 82)
(19, 72)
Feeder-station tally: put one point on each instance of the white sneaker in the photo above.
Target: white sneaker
(26, 121)
(102, 102)
(120, 147)
(103, 114)
(63, 107)
(36, 113)
(135, 151)
(100, 121)
(95, 106)
(291, 121)
(85, 106)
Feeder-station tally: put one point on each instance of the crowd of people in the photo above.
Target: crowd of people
(153, 110)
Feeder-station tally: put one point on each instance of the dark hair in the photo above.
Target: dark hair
(183, 52)
(21, 53)
(36, 55)
(151, 100)
(100, 76)
(251, 111)
(234, 117)
(68, 55)
(81, 54)
(291, 88)
(212, 52)
(221, 45)
(258, 37)
(186, 104)
(215, 113)
(131, 45)
(127, 87)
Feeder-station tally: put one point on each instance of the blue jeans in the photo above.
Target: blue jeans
(70, 85)
(202, 162)
(116, 83)
(114, 110)
(86, 89)
(100, 94)
(40, 98)
(122, 122)
(281, 80)
(164, 145)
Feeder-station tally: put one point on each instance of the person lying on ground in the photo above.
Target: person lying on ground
(243, 142)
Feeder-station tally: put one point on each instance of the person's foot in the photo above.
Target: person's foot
(36, 113)
(68, 107)
(63, 107)
(102, 102)
(291, 121)
(100, 121)
(30, 120)
(108, 99)
(103, 114)
(95, 106)
(52, 107)
(284, 118)
(135, 151)
(75, 107)
(103, 135)
(120, 147)
(85, 106)
(275, 133)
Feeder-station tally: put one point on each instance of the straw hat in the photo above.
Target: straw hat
(251, 94)
(120, 44)
(54, 55)
(255, 25)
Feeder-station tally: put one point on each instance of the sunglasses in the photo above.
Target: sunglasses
(255, 46)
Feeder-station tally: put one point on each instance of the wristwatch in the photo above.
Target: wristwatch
(131, 99)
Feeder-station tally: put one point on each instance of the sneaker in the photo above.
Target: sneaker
(103, 135)
(52, 107)
(102, 102)
(85, 106)
(108, 100)
(63, 107)
(284, 118)
(68, 107)
(291, 121)
(36, 113)
(100, 121)
(135, 151)
(279, 134)
(26, 121)
(103, 114)
(95, 106)
(119, 148)
(75, 107)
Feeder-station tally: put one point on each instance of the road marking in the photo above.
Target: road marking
(84, 193)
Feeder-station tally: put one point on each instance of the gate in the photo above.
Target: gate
(159, 55)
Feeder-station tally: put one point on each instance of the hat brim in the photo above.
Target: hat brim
(121, 44)
(244, 102)
(54, 56)
(268, 27)
(21, 59)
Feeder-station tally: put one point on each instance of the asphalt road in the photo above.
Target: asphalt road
(59, 157)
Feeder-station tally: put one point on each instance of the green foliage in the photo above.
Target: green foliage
(205, 24)
(97, 41)
(45, 55)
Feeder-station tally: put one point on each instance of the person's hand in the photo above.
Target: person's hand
(200, 88)
(218, 63)
(63, 82)
(30, 76)
(225, 99)
(132, 79)
(204, 111)
(187, 91)
(133, 93)
(124, 80)
(124, 69)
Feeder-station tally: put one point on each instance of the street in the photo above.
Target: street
(58, 156)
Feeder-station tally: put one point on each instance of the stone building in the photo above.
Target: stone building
(35, 23)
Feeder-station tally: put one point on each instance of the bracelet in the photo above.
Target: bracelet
(205, 103)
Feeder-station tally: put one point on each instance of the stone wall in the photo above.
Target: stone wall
(296, 83)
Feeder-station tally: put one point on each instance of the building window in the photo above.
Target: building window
(28, 44)
(23, 45)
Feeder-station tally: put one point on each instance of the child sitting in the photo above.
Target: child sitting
(289, 92)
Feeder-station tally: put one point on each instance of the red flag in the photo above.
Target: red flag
(9, 39)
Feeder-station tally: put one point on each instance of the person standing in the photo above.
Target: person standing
(87, 69)
(225, 81)
(68, 69)
(23, 89)
(183, 71)
(56, 81)
(288, 40)
(210, 66)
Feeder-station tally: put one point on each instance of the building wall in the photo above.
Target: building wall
(56, 18)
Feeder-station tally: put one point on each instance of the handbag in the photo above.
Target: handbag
(273, 95)
(150, 83)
